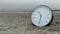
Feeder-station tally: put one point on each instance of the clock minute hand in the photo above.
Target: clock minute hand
(40, 17)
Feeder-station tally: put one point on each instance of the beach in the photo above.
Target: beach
(20, 23)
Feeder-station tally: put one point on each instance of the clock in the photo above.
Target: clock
(41, 16)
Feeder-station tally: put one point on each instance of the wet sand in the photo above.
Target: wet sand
(20, 23)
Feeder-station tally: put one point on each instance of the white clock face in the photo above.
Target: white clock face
(41, 16)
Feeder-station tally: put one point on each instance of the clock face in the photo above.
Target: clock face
(41, 16)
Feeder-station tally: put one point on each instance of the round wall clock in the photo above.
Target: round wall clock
(41, 16)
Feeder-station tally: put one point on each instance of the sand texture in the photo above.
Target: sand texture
(21, 24)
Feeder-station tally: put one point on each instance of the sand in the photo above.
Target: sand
(20, 23)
